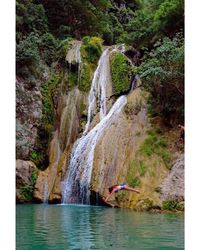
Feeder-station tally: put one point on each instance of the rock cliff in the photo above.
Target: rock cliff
(127, 149)
(28, 117)
(26, 174)
(72, 106)
(172, 187)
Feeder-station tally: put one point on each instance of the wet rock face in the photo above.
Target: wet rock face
(28, 117)
(48, 184)
(73, 56)
(24, 170)
(118, 145)
(172, 187)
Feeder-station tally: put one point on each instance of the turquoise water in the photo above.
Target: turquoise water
(58, 227)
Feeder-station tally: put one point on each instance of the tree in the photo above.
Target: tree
(162, 73)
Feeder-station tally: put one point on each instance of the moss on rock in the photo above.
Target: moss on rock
(48, 90)
(86, 77)
(72, 80)
(90, 52)
(80, 72)
(93, 48)
(26, 191)
(156, 144)
(121, 72)
(170, 205)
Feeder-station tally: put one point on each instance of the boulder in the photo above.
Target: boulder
(172, 188)
(24, 170)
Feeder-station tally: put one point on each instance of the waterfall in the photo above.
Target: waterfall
(134, 82)
(46, 193)
(76, 188)
(98, 89)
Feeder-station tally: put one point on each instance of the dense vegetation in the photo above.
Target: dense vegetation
(121, 73)
(26, 191)
(162, 71)
(155, 28)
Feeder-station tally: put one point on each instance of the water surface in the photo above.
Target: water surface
(59, 227)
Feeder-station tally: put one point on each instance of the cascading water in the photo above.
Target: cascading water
(46, 192)
(98, 89)
(76, 187)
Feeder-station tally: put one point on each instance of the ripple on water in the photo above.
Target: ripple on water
(57, 227)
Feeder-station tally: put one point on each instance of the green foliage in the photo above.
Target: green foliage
(26, 191)
(152, 20)
(138, 32)
(83, 17)
(169, 16)
(72, 79)
(30, 17)
(62, 49)
(103, 18)
(162, 72)
(93, 48)
(142, 168)
(48, 90)
(37, 157)
(116, 21)
(27, 51)
(85, 79)
(137, 169)
(134, 182)
(48, 48)
(90, 53)
(156, 144)
(170, 205)
(34, 42)
(33, 47)
(120, 73)
(64, 30)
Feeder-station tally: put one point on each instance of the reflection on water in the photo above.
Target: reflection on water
(40, 227)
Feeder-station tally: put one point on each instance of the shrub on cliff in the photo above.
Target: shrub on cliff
(156, 144)
(48, 90)
(26, 191)
(93, 47)
(48, 48)
(121, 72)
(30, 17)
(169, 17)
(162, 73)
(34, 42)
(86, 77)
(90, 52)
(139, 31)
(27, 51)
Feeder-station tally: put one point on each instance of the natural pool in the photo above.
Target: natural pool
(59, 227)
